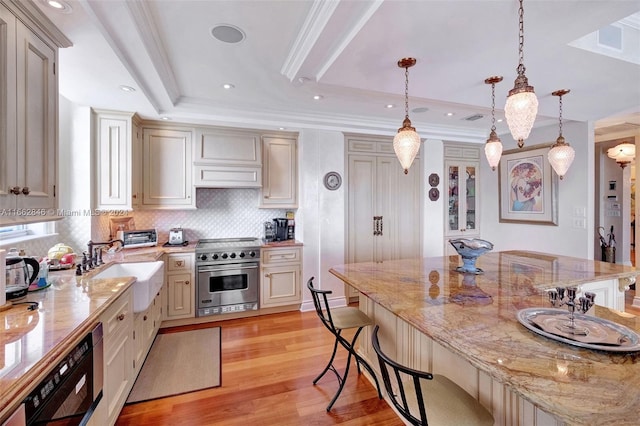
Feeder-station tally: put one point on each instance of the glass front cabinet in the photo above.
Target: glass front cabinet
(462, 168)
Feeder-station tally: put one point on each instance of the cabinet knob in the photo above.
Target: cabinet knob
(186, 283)
(135, 196)
(120, 317)
(144, 318)
(26, 190)
(15, 190)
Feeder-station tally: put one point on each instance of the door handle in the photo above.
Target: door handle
(377, 225)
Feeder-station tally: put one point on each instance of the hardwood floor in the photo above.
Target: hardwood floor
(268, 365)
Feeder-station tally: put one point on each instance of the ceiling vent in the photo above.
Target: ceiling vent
(473, 117)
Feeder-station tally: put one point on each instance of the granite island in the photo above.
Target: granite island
(464, 326)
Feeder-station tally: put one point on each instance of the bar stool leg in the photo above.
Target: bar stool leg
(329, 364)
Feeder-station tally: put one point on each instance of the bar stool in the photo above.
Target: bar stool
(336, 320)
(418, 395)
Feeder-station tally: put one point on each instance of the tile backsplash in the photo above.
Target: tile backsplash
(220, 213)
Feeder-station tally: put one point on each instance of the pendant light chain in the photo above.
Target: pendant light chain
(560, 116)
(521, 67)
(493, 107)
(406, 92)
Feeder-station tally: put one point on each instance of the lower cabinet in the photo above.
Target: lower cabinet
(145, 327)
(119, 374)
(281, 272)
(180, 293)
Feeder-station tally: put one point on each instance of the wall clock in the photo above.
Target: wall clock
(332, 181)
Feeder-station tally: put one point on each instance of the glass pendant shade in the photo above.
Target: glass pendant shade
(561, 156)
(623, 153)
(493, 150)
(520, 111)
(406, 145)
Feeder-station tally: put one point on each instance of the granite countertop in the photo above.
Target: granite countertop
(571, 383)
(34, 340)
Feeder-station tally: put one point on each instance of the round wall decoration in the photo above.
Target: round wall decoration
(434, 179)
(332, 181)
(434, 194)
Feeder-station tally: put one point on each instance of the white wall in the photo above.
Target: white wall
(321, 218)
(575, 193)
(432, 156)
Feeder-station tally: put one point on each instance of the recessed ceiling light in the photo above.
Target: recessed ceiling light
(228, 86)
(282, 128)
(317, 97)
(389, 106)
(165, 118)
(126, 88)
(420, 110)
(499, 120)
(227, 33)
(450, 114)
(59, 5)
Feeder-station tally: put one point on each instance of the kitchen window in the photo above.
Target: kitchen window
(18, 233)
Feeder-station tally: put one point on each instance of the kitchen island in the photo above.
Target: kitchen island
(465, 327)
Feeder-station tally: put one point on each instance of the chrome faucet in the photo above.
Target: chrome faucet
(95, 254)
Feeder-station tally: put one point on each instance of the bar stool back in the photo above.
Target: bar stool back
(336, 320)
(419, 395)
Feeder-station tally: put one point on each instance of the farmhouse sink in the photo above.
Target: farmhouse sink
(149, 278)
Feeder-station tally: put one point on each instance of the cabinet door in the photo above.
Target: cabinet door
(180, 296)
(461, 204)
(114, 161)
(279, 173)
(362, 204)
(167, 168)
(36, 118)
(8, 109)
(280, 286)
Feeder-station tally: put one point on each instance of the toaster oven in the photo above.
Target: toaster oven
(139, 238)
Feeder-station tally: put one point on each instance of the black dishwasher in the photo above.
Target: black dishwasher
(71, 392)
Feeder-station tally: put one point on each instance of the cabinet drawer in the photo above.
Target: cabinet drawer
(118, 316)
(179, 262)
(271, 256)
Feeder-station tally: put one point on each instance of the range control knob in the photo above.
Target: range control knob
(203, 257)
(252, 253)
(215, 257)
(241, 254)
(233, 255)
(225, 255)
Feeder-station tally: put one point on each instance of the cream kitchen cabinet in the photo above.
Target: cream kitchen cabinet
(226, 158)
(180, 294)
(28, 115)
(281, 272)
(145, 327)
(384, 206)
(279, 172)
(167, 168)
(462, 174)
(119, 372)
(117, 160)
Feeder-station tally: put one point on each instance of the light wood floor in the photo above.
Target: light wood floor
(268, 365)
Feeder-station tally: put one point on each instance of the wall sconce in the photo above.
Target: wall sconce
(623, 153)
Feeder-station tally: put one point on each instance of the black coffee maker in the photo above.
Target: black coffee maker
(282, 229)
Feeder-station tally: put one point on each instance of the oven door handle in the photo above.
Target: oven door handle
(226, 268)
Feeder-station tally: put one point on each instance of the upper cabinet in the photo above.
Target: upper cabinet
(117, 160)
(167, 168)
(28, 112)
(227, 158)
(462, 174)
(279, 172)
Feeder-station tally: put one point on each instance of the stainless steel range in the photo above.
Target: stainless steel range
(227, 275)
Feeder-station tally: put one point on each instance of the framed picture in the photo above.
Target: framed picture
(528, 187)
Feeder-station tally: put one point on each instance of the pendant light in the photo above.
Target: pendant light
(493, 147)
(561, 154)
(623, 153)
(522, 103)
(406, 143)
